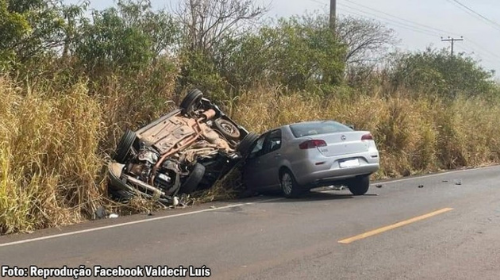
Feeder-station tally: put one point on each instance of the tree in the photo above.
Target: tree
(31, 30)
(129, 37)
(14, 26)
(208, 27)
(367, 41)
(46, 32)
(298, 53)
(161, 27)
(436, 72)
(208, 22)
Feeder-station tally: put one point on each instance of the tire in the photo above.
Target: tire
(359, 185)
(244, 147)
(227, 128)
(123, 148)
(189, 102)
(289, 185)
(194, 178)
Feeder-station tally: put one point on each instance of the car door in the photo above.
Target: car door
(252, 173)
(269, 160)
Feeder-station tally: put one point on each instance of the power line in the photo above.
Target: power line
(480, 15)
(472, 53)
(391, 21)
(400, 22)
(489, 53)
(321, 3)
(476, 49)
(402, 19)
(431, 31)
(414, 26)
(466, 50)
(475, 14)
(395, 24)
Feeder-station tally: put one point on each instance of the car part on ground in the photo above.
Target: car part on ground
(298, 157)
(186, 150)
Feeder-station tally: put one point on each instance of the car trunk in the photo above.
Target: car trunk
(343, 143)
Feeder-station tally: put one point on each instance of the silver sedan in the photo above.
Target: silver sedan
(306, 155)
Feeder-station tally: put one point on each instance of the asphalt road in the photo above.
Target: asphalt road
(442, 230)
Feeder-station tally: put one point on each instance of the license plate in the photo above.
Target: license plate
(349, 163)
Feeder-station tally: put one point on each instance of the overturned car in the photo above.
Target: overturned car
(186, 150)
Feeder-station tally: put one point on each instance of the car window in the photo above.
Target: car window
(316, 128)
(258, 147)
(273, 142)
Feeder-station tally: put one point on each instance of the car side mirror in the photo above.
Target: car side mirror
(351, 126)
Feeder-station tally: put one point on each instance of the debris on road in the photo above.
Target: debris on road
(420, 186)
(458, 182)
(100, 212)
(336, 188)
(113, 216)
(379, 186)
(175, 201)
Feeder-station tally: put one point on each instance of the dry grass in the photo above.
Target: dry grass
(227, 188)
(54, 145)
(49, 161)
(413, 135)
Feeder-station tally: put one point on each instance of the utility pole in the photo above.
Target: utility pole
(333, 15)
(452, 40)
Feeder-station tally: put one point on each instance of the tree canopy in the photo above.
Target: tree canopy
(437, 72)
(221, 46)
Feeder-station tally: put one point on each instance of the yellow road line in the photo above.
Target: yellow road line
(393, 226)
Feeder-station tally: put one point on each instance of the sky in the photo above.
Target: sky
(417, 24)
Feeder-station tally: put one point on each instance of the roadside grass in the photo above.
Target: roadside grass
(54, 144)
(414, 135)
(48, 157)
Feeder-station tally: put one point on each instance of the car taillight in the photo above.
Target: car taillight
(367, 137)
(309, 144)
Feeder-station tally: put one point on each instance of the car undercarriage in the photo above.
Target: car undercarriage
(186, 150)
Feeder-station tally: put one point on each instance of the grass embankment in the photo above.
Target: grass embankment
(54, 145)
(49, 162)
(413, 135)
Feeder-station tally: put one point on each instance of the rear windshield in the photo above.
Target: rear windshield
(316, 128)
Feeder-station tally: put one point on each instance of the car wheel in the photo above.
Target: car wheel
(189, 102)
(245, 144)
(289, 185)
(359, 185)
(123, 147)
(227, 128)
(193, 179)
